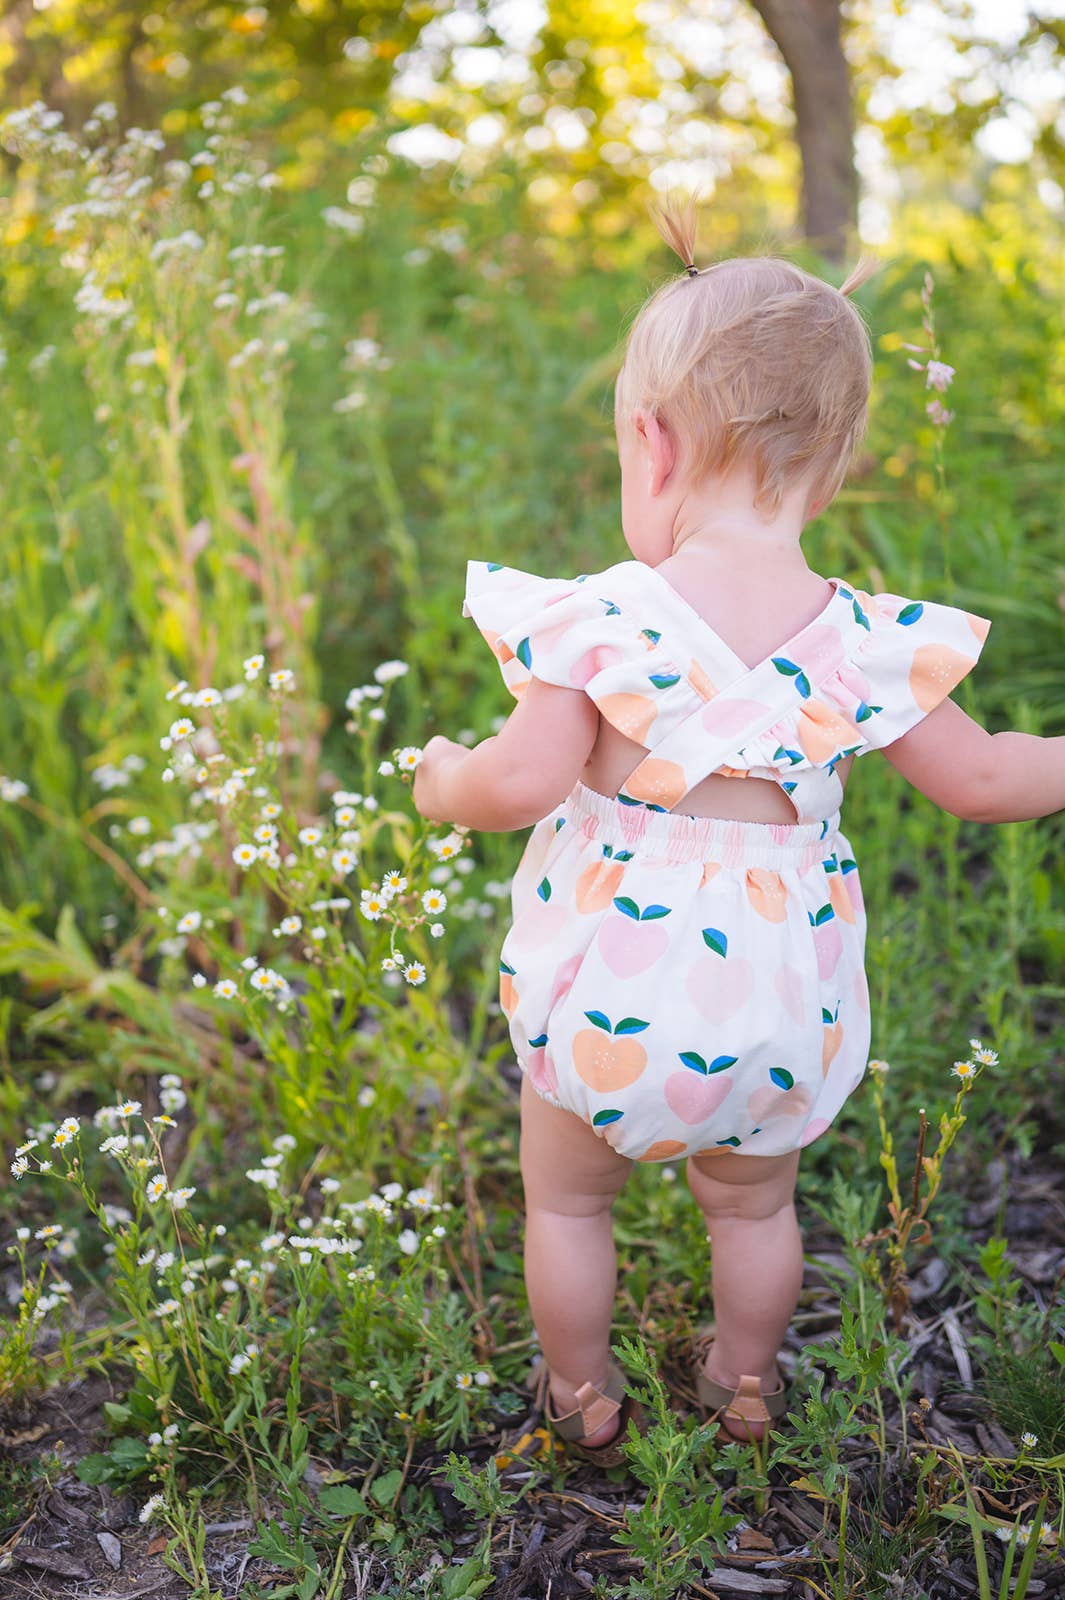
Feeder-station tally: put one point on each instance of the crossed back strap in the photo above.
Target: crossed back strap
(705, 740)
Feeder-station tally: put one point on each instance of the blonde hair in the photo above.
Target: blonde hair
(751, 360)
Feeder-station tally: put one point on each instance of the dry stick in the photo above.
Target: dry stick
(473, 1254)
(115, 862)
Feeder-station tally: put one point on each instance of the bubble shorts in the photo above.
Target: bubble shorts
(686, 983)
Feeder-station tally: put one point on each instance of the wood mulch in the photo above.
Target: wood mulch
(81, 1542)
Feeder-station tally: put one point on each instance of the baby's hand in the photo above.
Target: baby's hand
(437, 756)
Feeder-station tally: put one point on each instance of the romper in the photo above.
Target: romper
(690, 983)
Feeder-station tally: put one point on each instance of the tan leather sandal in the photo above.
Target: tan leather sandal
(746, 1403)
(594, 1409)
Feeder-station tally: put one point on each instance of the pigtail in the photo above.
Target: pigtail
(677, 225)
(867, 266)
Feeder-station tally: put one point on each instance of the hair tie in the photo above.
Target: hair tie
(692, 270)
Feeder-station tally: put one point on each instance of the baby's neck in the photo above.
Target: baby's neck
(718, 522)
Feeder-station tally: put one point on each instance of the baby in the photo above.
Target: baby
(683, 975)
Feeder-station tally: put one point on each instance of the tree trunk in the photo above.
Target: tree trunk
(807, 34)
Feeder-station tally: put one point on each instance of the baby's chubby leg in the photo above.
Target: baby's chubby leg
(571, 1178)
(756, 1253)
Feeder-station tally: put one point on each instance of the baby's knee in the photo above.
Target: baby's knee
(750, 1188)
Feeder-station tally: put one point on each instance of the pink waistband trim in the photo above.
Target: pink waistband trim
(675, 837)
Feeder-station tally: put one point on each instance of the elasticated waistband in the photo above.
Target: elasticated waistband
(671, 836)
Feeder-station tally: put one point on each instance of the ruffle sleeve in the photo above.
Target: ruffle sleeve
(579, 633)
(914, 655)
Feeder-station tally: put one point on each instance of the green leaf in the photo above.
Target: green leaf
(603, 1118)
(782, 1077)
(544, 890)
(664, 680)
(384, 1488)
(629, 907)
(600, 1019)
(716, 940)
(910, 614)
(651, 913)
(631, 1025)
(692, 1059)
(236, 1416)
(524, 654)
(783, 665)
(344, 1500)
(722, 1063)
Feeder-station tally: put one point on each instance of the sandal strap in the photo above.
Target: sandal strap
(747, 1401)
(594, 1408)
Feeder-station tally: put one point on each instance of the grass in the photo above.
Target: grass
(273, 438)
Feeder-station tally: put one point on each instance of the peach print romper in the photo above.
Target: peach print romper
(680, 982)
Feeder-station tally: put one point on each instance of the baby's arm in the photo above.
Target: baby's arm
(981, 776)
(520, 774)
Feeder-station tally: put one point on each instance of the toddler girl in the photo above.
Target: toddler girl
(683, 975)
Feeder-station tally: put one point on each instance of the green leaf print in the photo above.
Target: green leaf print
(664, 680)
(782, 1077)
(692, 1059)
(524, 654)
(629, 907)
(601, 1118)
(825, 914)
(910, 614)
(651, 913)
(544, 890)
(600, 1019)
(722, 1063)
(631, 1025)
(541, 1039)
(510, 971)
(788, 668)
(716, 940)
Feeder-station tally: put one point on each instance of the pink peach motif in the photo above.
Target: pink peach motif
(592, 662)
(852, 884)
(629, 947)
(818, 647)
(828, 942)
(541, 1068)
(719, 989)
(563, 980)
(725, 715)
(788, 985)
(693, 1097)
(813, 1130)
(541, 922)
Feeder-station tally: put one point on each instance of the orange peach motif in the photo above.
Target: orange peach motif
(508, 998)
(935, 670)
(607, 1063)
(830, 1045)
(662, 1149)
(661, 782)
(598, 884)
(700, 682)
(823, 731)
(631, 714)
(979, 625)
(839, 896)
(767, 893)
(710, 870)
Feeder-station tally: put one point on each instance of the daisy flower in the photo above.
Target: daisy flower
(414, 972)
(245, 854)
(156, 1187)
(183, 728)
(226, 989)
(373, 906)
(393, 882)
(309, 835)
(389, 670)
(464, 1380)
(408, 758)
(282, 679)
(434, 901)
(963, 1070)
